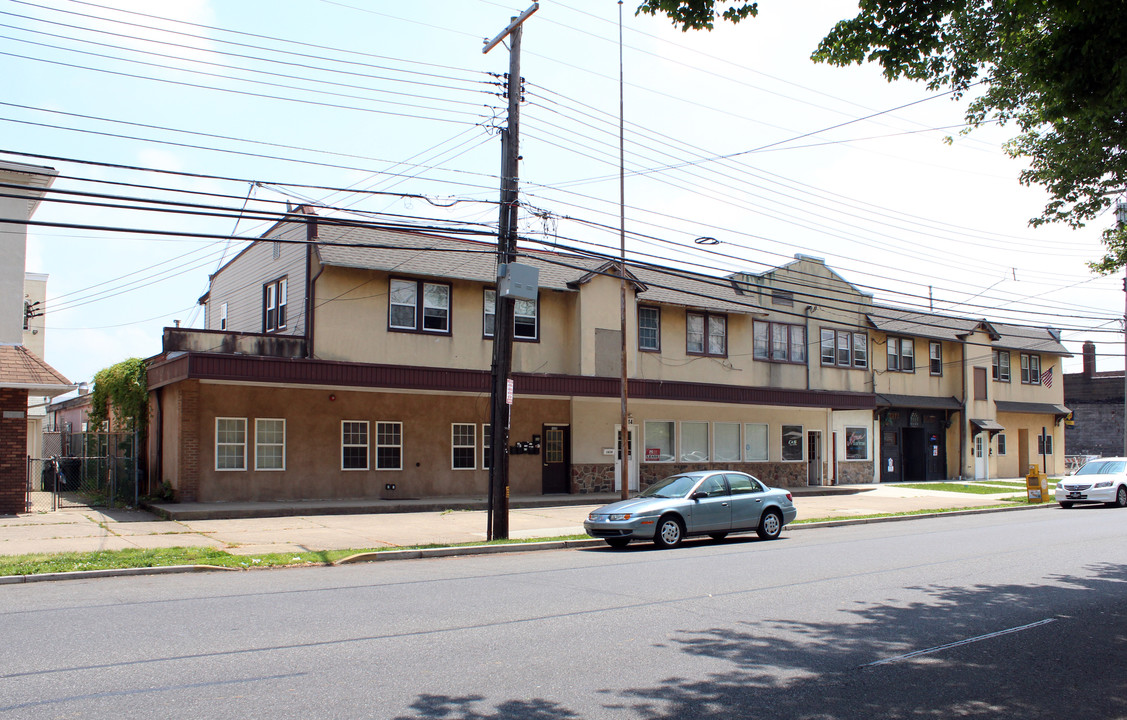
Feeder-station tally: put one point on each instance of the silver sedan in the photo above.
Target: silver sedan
(705, 502)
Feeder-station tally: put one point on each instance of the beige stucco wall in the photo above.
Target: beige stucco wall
(352, 319)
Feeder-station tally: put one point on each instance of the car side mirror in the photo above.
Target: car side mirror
(698, 495)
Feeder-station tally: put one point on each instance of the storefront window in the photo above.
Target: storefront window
(659, 441)
(792, 442)
(727, 442)
(694, 442)
(755, 442)
(856, 443)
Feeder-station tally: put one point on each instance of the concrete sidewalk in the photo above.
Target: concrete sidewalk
(87, 530)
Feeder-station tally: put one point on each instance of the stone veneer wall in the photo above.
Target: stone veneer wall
(855, 472)
(599, 478)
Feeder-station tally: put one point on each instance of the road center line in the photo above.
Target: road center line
(968, 641)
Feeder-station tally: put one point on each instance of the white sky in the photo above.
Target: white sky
(884, 200)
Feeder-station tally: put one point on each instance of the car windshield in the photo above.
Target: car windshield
(676, 486)
(1103, 467)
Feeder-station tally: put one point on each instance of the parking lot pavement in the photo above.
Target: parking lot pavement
(87, 529)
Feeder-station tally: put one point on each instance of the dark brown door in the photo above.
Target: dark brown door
(556, 454)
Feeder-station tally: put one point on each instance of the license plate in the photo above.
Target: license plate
(1075, 495)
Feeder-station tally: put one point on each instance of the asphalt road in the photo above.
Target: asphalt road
(1014, 615)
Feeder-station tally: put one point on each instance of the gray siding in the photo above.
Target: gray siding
(239, 283)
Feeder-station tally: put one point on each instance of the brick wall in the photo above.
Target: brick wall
(1097, 429)
(189, 399)
(13, 451)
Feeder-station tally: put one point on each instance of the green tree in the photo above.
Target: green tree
(121, 395)
(1057, 69)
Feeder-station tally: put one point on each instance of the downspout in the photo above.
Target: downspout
(963, 416)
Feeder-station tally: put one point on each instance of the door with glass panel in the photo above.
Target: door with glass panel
(555, 452)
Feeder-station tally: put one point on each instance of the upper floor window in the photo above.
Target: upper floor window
(901, 354)
(1000, 365)
(779, 342)
(844, 348)
(649, 328)
(706, 334)
(274, 305)
(526, 320)
(935, 356)
(1030, 369)
(418, 305)
(223, 316)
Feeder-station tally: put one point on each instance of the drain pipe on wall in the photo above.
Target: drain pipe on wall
(963, 417)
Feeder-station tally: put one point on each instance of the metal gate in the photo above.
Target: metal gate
(83, 470)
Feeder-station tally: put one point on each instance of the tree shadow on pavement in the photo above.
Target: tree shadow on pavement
(857, 668)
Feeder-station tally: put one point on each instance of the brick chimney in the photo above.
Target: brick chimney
(1089, 353)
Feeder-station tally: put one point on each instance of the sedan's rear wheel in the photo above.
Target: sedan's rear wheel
(1065, 505)
(618, 542)
(770, 525)
(669, 533)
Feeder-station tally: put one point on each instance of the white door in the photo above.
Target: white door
(632, 457)
(980, 457)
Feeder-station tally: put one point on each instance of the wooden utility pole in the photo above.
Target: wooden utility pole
(500, 394)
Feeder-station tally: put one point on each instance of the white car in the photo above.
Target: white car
(1100, 481)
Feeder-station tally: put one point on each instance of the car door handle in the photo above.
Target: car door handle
(724, 504)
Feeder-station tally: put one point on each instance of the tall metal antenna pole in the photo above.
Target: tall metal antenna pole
(624, 435)
(500, 394)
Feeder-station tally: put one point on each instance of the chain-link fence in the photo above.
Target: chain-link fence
(83, 470)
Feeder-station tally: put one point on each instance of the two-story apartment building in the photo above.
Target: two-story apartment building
(343, 360)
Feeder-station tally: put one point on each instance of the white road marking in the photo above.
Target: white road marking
(936, 649)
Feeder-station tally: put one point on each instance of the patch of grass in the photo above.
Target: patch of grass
(955, 487)
(38, 563)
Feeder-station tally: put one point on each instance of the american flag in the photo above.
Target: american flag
(1047, 377)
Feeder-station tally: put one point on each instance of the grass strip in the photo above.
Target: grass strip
(38, 563)
(955, 487)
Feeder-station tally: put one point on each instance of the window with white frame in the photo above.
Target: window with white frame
(901, 354)
(222, 316)
(354, 445)
(706, 334)
(414, 305)
(486, 446)
(856, 443)
(274, 301)
(844, 348)
(1030, 369)
(778, 342)
(389, 446)
(1000, 365)
(463, 446)
(649, 328)
(694, 442)
(230, 443)
(269, 444)
(935, 357)
(526, 322)
(726, 442)
(659, 440)
(755, 442)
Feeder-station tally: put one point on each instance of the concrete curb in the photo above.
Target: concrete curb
(112, 572)
(387, 555)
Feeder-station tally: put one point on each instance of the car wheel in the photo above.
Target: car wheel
(718, 536)
(669, 533)
(770, 525)
(1066, 505)
(618, 542)
(1121, 496)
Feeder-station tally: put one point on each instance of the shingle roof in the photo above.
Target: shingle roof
(898, 321)
(411, 253)
(20, 368)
